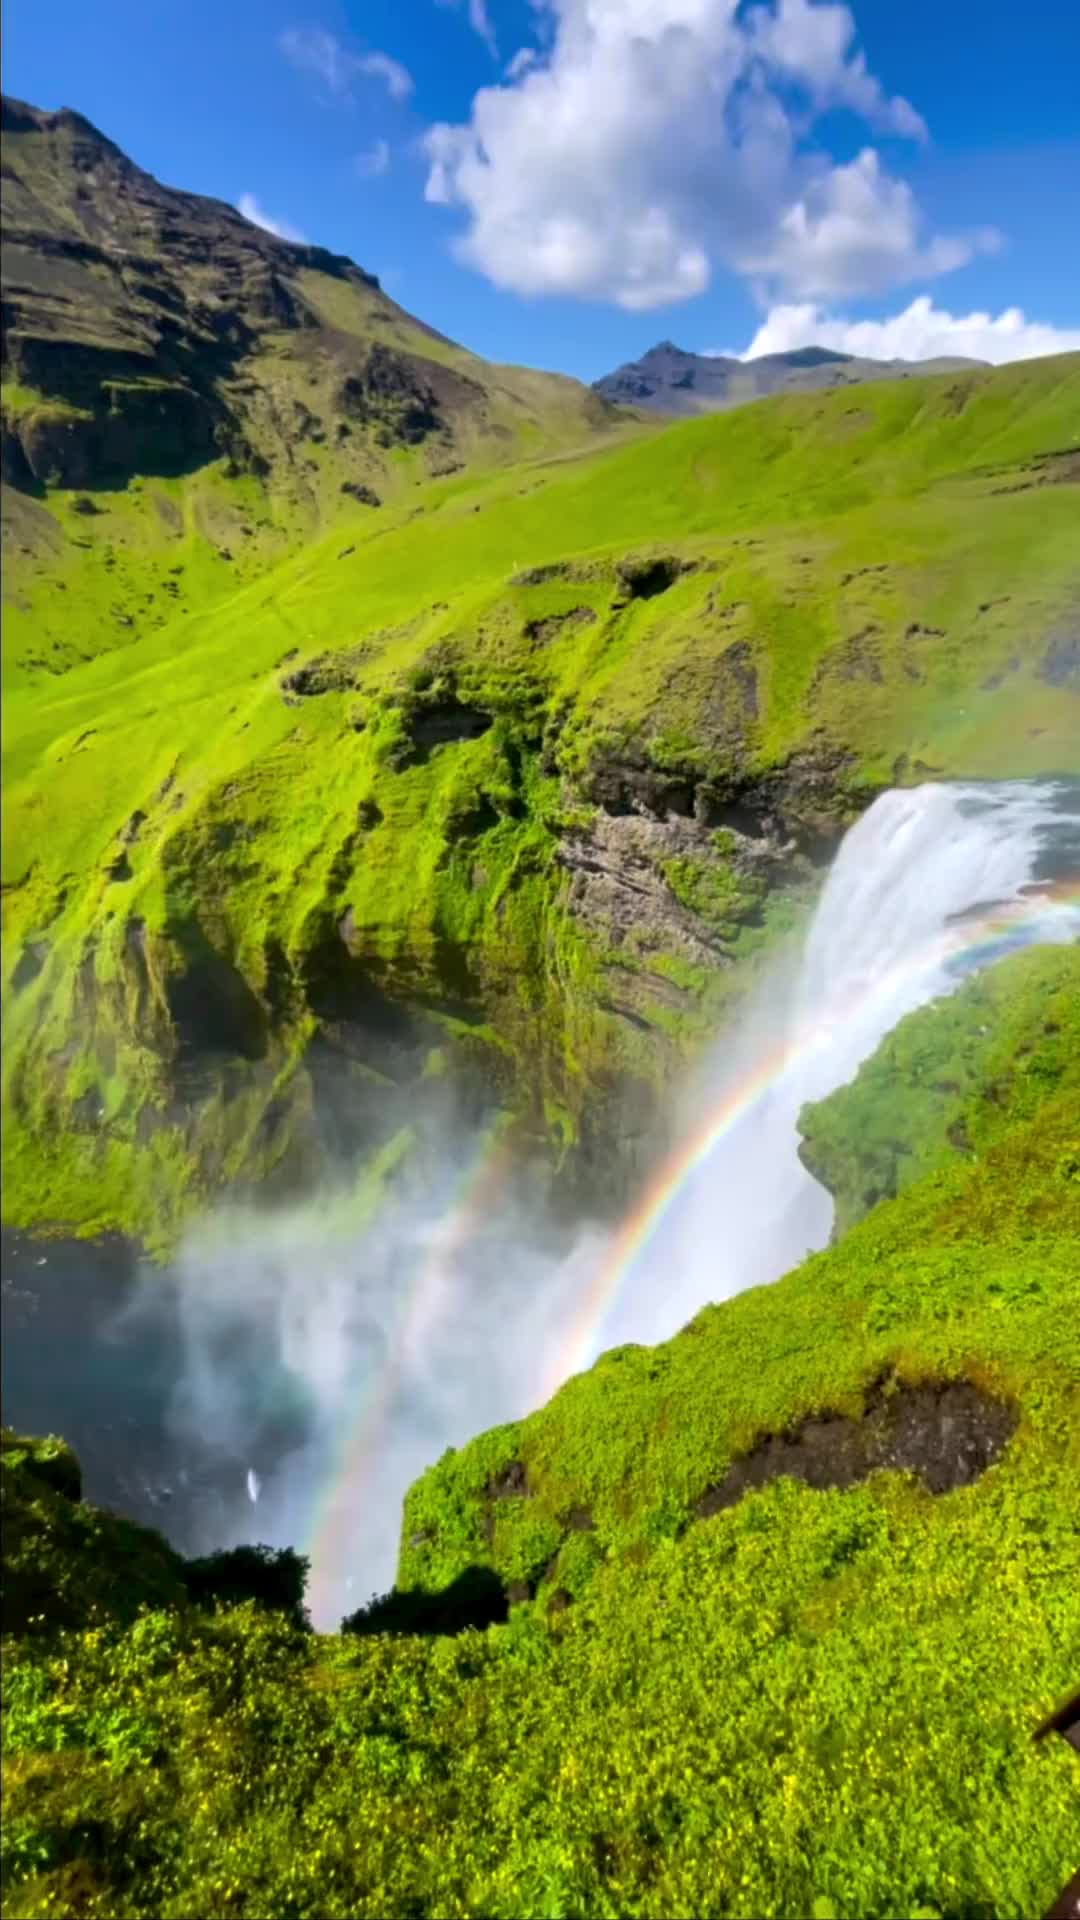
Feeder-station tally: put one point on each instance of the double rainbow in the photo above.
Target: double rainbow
(339, 1508)
(975, 941)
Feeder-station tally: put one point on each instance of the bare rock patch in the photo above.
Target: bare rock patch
(948, 1433)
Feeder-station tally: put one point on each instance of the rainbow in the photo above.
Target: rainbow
(976, 941)
(331, 1534)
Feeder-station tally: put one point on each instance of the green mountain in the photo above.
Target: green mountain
(269, 388)
(762, 1620)
(326, 766)
(147, 332)
(672, 381)
(376, 720)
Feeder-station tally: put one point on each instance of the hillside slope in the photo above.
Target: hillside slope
(520, 776)
(759, 1621)
(669, 380)
(266, 387)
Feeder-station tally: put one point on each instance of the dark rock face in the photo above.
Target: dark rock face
(617, 884)
(405, 397)
(543, 631)
(661, 846)
(29, 964)
(642, 577)
(330, 673)
(126, 305)
(133, 315)
(139, 430)
(213, 1013)
(948, 1433)
(437, 722)
(476, 1599)
(15, 468)
(512, 1483)
(802, 802)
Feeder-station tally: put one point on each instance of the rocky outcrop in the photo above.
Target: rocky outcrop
(404, 398)
(671, 380)
(802, 805)
(949, 1433)
(618, 887)
(131, 429)
(137, 321)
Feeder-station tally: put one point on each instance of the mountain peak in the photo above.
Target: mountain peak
(18, 116)
(152, 331)
(672, 380)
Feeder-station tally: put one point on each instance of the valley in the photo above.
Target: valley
(540, 993)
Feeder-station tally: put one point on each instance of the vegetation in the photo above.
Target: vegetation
(785, 1697)
(949, 1080)
(377, 722)
(65, 1562)
(312, 787)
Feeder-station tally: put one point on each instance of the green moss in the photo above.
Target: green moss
(65, 1564)
(19, 401)
(880, 597)
(783, 1708)
(949, 1080)
(711, 889)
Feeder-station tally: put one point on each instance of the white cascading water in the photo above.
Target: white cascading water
(903, 916)
(386, 1358)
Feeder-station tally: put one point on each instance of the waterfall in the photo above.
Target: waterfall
(902, 918)
(318, 1367)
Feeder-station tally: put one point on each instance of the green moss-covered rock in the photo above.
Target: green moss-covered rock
(550, 833)
(48, 1459)
(646, 1657)
(949, 1080)
(67, 1564)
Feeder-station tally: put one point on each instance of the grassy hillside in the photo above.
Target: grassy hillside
(540, 758)
(948, 1080)
(758, 1622)
(265, 388)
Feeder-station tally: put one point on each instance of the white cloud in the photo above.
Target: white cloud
(479, 20)
(396, 78)
(811, 45)
(853, 230)
(656, 139)
(251, 210)
(315, 51)
(524, 57)
(921, 332)
(319, 53)
(375, 161)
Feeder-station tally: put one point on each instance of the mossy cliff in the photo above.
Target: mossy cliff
(761, 1621)
(529, 815)
(950, 1080)
(507, 743)
(149, 331)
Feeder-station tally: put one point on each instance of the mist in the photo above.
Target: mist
(334, 1361)
(329, 1353)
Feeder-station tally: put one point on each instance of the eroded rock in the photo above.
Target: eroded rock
(641, 576)
(948, 1433)
(541, 632)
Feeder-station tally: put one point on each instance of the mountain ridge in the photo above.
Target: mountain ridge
(146, 329)
(669, 379)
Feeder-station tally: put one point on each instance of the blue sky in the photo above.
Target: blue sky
(688, 169)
